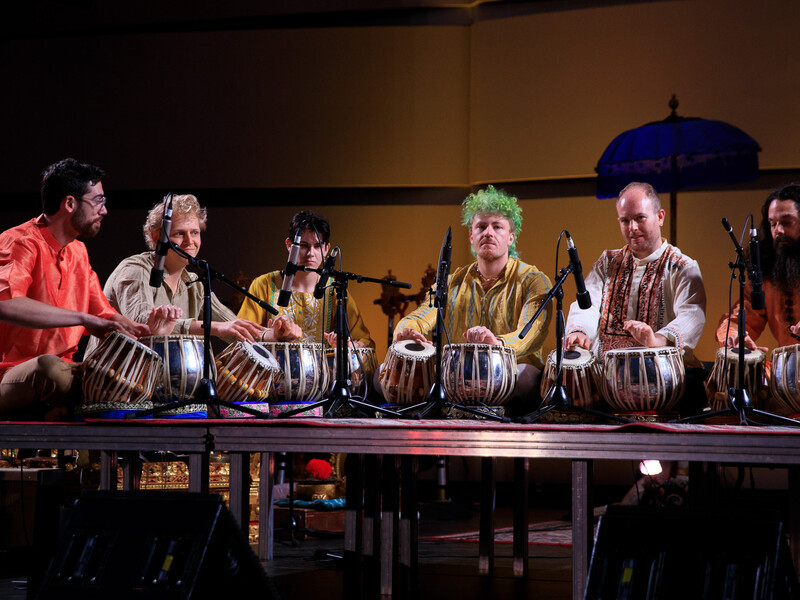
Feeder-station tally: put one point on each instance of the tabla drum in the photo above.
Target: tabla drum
(784, 381)
(478, 373)
(119, 377)
(408, 372)
(643, 379)
(182, 371)
(725, 374)
(304, 373)
(245, 375)
(580, 375)
(361, 367)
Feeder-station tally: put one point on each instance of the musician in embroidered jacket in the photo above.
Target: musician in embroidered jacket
(645, 294)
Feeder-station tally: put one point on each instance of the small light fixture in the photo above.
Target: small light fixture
(650, 467)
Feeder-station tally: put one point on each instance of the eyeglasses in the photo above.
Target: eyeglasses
(98, 201)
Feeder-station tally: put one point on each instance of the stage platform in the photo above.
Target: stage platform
(772, 446)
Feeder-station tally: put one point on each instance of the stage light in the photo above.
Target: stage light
(650, 467)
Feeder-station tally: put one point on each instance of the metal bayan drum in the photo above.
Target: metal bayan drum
(581, 374)
(725, 374)
(408, 373)
(119, 377)
(361, 367)
(182, 371)
(643, 379)
(784, 381)
(245, 373)
(478, 373)
(304, 374)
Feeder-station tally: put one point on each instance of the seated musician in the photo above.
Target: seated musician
(646, 293)
(779, 234)
(179, 300)
(306, 318)
(50, 296)
(492, 299)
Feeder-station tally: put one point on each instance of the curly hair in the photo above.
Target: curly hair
(184, 204)
(493, 202)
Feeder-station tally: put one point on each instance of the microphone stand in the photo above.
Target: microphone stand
(557, 397)
(739, 401)
(437, 397)
(207, 388)
(340, 396)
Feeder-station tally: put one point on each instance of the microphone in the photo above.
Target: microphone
(330, 263)
(288, 274)
(444, 266)
(757, 294)
(583, 297)
(157, 272)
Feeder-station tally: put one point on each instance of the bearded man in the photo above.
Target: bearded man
(50, 296)
(779, 233)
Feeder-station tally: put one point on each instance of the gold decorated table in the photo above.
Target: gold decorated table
(401, 440)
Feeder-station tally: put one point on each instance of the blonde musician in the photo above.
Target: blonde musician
(179, 300)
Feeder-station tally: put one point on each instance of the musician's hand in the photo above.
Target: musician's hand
(242, 329)
(282, 329)
(644, 334)
(411, 334)
(125, 325)
(578, 338)
(733, 342)
(101, 327)
(481, 335)
(161, 320)
(331, 339)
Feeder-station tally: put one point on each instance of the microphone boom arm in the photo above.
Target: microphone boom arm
(219, 276)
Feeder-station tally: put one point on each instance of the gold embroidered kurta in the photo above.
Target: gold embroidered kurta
(504, 309)
(314, 316)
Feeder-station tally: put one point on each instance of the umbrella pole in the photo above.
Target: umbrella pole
(673, 218)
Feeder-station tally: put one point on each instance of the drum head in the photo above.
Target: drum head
(262, 356)
(414, 349)
(750, 356)
(574, 357)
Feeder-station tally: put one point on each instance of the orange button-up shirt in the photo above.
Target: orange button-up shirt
(34, 264)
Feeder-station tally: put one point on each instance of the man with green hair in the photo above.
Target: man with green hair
(492, 299)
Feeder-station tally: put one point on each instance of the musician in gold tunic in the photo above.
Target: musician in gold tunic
(306, 318)
(492, 299)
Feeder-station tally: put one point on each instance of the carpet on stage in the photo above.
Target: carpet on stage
(546, 533)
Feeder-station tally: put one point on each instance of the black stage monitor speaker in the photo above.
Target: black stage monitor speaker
(642, 553)
(154, 545)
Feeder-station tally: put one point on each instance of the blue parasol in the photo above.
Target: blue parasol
(677, 153)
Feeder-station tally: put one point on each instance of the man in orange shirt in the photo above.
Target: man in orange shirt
(779, 233)
(50, 296)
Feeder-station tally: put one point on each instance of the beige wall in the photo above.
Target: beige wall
(552, 89)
